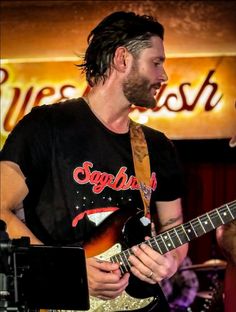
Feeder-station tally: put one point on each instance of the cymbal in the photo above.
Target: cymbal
(205, 294)
(209, 265)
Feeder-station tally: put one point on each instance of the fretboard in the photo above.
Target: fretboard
(183, 233)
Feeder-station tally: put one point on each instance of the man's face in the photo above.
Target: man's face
(146, 75)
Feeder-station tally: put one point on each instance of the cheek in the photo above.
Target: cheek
(145, 69)
(151, 72)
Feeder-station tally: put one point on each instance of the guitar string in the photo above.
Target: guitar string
(196, 222)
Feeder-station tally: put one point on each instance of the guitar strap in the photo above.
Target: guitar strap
(141, 164)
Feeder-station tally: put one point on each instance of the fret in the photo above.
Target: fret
(127, 261)
(182, 235)
(220, 216)
(174, 237)
(157, 245)
(215, 218)
(173, 244)
(121, 263)
(168, 242)
(225, 215)
(164, 242)
(232, 209)
(129, 252)
(206, 223)
(181, 243)
(189, 230)
(210, 220)
(196, 227)
(185, 232)
(201, 225)
(124, 261)
(229, 211)
(127, 265)
(161, 244)
(114, 259)
(152, 243)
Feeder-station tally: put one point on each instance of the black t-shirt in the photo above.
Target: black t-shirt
(78, 172)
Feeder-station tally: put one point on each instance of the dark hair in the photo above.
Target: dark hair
(3, 225)
(117, 29)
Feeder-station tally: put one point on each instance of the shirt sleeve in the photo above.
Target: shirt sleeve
(167, 166)
(29, 144)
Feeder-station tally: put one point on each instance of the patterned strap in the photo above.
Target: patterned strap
(141, 164)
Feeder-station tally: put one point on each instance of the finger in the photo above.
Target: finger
(160, 257)
(113, 284)
(103, 265)
(154, 255)
(143, 258)
(146, 278)
(110, 291)
(143, 265)
(139, 269)
(108, 267)
(159, 264)
(117, 272)
(103, 280)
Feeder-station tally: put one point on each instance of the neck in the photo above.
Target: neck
(109, 111)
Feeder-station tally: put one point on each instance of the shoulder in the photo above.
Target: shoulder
(50, 109)
(49, 115)
(68, 105)
(41, 121)
(153, 132)
(70, 109)
(156, 137)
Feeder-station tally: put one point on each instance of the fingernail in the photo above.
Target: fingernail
(143, 246)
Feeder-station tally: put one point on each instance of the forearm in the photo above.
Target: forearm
(16, 228)
(180, 253)
(169, 215)
(226, 237)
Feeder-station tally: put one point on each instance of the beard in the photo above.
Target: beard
(137, 89)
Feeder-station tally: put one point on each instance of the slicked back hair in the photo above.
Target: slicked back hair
(117, 29)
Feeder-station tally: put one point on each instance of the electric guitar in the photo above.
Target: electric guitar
(130, 231)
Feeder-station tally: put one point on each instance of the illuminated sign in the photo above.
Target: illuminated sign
(198, 101)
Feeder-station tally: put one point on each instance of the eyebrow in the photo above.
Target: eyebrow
(160, 58)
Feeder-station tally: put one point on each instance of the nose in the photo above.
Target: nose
(164, 76)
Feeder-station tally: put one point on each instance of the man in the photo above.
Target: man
(71, 163)
(226, 238)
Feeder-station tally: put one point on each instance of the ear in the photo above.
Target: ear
(121, 59)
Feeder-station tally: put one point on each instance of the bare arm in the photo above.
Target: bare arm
(148, 264)
(13, 192)
(226, 238)
(170, 215)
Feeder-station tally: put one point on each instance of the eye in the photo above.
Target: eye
(157, 64)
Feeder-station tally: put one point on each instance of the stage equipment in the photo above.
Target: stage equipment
(209, 265)
(34, 277)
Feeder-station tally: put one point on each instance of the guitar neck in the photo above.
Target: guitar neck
(182, 234)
